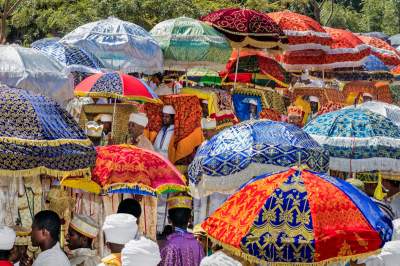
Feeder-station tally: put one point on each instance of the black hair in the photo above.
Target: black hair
(49, 221)
(180, 217)
(5, 254)
(130, 206)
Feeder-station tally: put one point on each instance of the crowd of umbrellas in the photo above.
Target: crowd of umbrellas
(278, 212)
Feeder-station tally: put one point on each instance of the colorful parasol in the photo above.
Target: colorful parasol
(116, 85)
(358, 140)
(303, 32)
(120, 45)
(129, 169)
(250, 148)
(204, 76)
(299, 218)
(253, 62)
(76, 59)
(39, 137)
(188, 43)
(381, 49)
(246, 27)
(395, 40)
(29, 69)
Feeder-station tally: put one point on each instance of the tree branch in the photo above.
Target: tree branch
(321, 4)
(13, 7)
(331, 13)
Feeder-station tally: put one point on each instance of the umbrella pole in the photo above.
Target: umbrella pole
(237, 67)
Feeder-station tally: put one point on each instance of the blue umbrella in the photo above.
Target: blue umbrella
(250, 148)
(37, 137)
(76, 59)
(395, 40)
(120, 45)
(374, 64)
(358, 140)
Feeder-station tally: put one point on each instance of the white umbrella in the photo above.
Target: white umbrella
(120, 45)
(29, 69)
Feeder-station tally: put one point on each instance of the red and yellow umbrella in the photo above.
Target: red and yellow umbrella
(299, 217)
(116, 85)
(129, 169)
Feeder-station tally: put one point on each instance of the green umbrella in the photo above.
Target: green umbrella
(204, 75)
(188, 43)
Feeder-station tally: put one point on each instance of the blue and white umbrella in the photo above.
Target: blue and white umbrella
(358, 140)
(74, 58)
(248, 149)
(120, 45)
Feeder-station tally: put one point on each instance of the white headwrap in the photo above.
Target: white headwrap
(106, 118)
(141, 252)
(168, 109)
(253, 102)
(314, 99)
(139, 118)
(366, 94)
(120, 228)
(219, 258)
(7, 238)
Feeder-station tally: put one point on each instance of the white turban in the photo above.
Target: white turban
(219, 258)
(139, 118)
(366, 94)
(7, 238)
(120, 228)
(253, 102)
(141, 252)
(168, 109)
(106, 118)
(314, 99)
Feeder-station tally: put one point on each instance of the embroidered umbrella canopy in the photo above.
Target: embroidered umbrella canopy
(384, 51)
(204, 76)
(39, 137)
(76, 59)
(303, 32)
(358, 140)
(29, 69)
(377, 34)
(299, 218)
(120, 45)
(390, 111)
(129, 169)
(188, 42)
(246, 27)
(116, 85)
(395, 40)
(248, 149)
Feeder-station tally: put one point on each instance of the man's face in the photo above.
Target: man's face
(135, 130)
(366, 99)
(204, 108)
(314, 106)
(295, 120)
(106, 127)
(74, 239)
(253, 108)
(167, 119)
(37, 235)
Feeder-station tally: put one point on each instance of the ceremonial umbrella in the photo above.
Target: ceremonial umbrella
(390, 111)
(384, 51)
(29, 69)
(120, 45)
(301, 218)
(39, 137)
(376, 34)
(76, 59)
(246, 27)
(248, 149)
(116, 85)
(395, 40)
(129, 169)
(358, 140)
(188, 42)
(204, 75)
(303, 32)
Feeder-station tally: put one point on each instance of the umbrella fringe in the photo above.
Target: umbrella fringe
(252, 259)
(116, 96)
(160, 189)
(45, 142)
(42, 170)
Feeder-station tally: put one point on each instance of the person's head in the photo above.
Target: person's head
(295, 115)
(204, 108)
(168, 115)
(367, 97)
(130, 206)
(179, 211)
(253, 106)
(46, 228)
(392, 187)
(137, 124)
(81, 232)
(119, 229)
(314, 101)
(7, 240)
(106, 121)
(93, 131)
(141, 251)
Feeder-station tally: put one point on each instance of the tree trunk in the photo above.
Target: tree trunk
(3, 26)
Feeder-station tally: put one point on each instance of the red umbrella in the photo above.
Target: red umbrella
(116, 85)
(381, 49)
(303, 32)
(246, 27)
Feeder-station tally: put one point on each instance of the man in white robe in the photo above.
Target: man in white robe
(164, 136)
